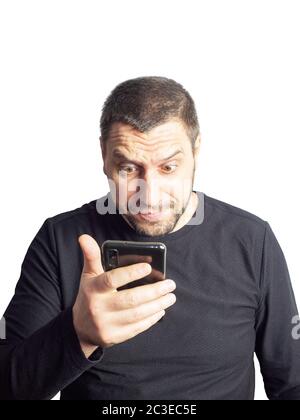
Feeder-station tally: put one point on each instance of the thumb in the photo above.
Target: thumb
(91, 254)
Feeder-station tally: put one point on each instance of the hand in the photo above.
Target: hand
(104, 316)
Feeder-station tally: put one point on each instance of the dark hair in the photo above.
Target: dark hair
(146, 102)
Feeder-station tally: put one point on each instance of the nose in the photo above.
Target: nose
(150, 192)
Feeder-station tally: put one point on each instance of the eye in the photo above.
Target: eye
(127, 169)
(169, 167)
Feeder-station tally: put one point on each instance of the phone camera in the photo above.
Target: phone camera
(113, 258)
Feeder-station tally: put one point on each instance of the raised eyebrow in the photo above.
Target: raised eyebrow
(119, 155)
(177, 152)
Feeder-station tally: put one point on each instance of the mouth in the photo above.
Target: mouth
(151, 216)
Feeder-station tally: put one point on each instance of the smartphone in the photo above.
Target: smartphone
(117, 253)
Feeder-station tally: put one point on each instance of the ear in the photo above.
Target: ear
(197, 147)
(102, 145)
(103, 152)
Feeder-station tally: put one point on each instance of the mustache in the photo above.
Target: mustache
(146, 209)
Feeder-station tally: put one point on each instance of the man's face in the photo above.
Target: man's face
(151, 173)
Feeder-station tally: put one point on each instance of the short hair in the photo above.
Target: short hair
(146, 102)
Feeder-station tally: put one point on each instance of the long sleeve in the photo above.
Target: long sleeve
(277, 349)
(41, 353)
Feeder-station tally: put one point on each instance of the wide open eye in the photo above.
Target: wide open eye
(129, 169)
(169, 168)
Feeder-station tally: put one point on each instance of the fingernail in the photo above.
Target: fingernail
(172, 298)
(170, 284)
(146, 269)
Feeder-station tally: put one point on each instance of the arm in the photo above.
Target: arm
(277, 351)
(41, 353)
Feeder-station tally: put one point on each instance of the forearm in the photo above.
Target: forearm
(44, 363)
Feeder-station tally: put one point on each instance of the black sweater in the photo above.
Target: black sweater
(234, 298)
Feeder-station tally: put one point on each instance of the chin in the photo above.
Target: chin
(155, 228)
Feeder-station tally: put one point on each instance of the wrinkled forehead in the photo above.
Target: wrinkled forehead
(169, 136)
(166, 131)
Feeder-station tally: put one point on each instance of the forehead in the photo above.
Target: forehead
(168, 132)
(164, 142)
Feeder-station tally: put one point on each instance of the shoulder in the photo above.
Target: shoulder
(225, 210)
(234, 221)
(74, 215)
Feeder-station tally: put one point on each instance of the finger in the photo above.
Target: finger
(136, 296)
(145, 310)
(132, 330)
(157, 274)
(154, 277)
(128, 259)
(112, 279)
(92, 255)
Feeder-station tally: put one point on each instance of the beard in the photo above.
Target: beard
(151, 228)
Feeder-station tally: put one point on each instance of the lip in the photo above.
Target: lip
(151, 216)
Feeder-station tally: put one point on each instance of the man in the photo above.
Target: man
(228, 292)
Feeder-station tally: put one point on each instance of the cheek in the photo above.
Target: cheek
(180, 179)
(188, 167)
(114, 175)
(180, 185)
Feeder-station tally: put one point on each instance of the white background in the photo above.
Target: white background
(59, 61)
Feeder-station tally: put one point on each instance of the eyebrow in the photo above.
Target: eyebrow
(118, 154)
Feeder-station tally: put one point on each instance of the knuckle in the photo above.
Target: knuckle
(136, 313)
(131, 300)
(105, 333)
(117, 302)
(157, 292)
(135, 272)
(93, 311)
(96, 309)
(160, 305)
